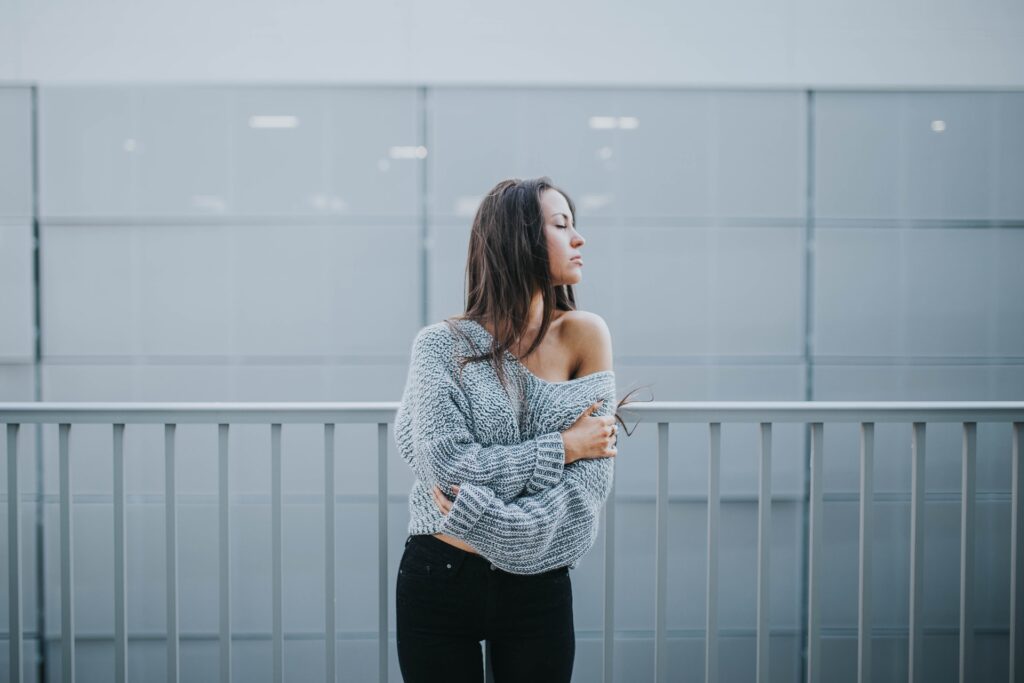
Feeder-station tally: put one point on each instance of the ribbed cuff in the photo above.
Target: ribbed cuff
(469, 505)
(550, 462)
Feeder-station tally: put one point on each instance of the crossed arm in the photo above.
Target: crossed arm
(432, 430)
(536, 531)
(549, 529)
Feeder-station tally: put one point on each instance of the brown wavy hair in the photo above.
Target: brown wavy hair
(507, 261)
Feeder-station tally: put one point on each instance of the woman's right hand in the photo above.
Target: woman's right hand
(590, 436)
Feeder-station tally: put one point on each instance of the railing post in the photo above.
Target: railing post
(967, 553)
(917, 491)
(814, 557)
(13, 556)
(764, 543)
(609, 587)
(714, 506)
(661, 558)
(171, 532)
(1016, 569)
(382, 551)
(330, 594)
(867, 494)
(224, 537)
(277, 571)
(120, 561)
(67, 588)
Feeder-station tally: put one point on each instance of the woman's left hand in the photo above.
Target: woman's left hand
(442, 502)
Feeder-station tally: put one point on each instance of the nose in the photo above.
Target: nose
(578, 239)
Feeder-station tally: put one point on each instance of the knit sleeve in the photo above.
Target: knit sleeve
(553, 528)
(432, 430)
(533, 533)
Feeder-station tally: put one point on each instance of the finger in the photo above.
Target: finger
(443, 505)
(455, 489)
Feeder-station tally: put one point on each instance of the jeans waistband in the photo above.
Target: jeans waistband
(449, 550)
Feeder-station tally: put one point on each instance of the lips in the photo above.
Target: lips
(577, 260)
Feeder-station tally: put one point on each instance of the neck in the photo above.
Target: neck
(536, 314)
(533, 319)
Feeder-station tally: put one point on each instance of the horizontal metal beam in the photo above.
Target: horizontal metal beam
(198, 413)
(826, 411)
(380, 412)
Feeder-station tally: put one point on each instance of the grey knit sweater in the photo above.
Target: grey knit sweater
(519, 506)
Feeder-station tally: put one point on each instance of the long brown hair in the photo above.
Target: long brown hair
(507, 262)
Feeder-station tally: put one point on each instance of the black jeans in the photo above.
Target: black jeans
(448, 600)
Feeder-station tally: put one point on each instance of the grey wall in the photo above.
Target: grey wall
(743, 43)
(741, 244)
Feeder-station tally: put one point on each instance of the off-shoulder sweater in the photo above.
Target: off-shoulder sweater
(519, 505)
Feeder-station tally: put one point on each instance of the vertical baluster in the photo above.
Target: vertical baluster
(917, 491)
(120, 587)
(13, 555)
(967, 553)
(382, 550)
(1016, 541)
(488, 669)
(764, 543)
(661, 557)
(609, 587)
(171, 535)
(867, 495)
(814, 556)
(275, 532)
(224, 524)
(330, 628)
(67, 595)
(714, 507)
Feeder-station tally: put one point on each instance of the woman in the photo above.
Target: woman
(521, 437)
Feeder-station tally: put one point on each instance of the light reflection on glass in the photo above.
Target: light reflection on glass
(407, 152)
(610, 122)
(264, 121)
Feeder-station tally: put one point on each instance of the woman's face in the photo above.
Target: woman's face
(564, 242)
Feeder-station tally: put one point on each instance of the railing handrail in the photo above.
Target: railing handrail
(384, 411)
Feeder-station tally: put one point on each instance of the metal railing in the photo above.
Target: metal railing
(813, 414)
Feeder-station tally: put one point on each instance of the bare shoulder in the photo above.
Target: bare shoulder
(590, 339)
